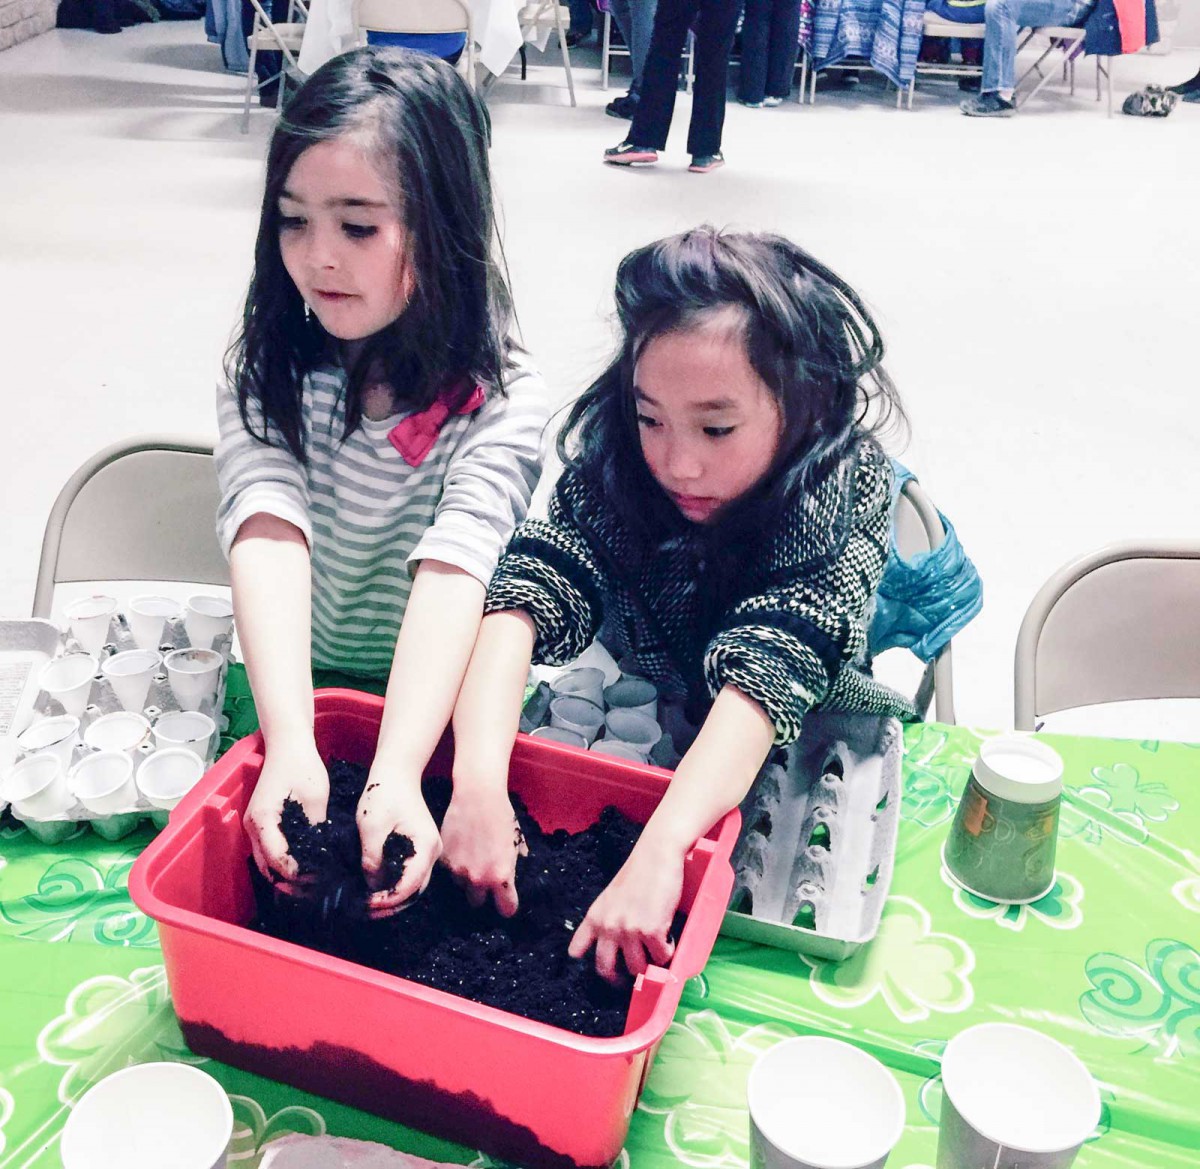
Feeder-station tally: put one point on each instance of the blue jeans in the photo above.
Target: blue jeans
(1004, 19)
(581, 17)
(635, 19)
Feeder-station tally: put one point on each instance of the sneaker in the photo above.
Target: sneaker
(627, 154)
(575, 39)
(622, 107)
(1192, 85)
(751, 105)
(703, 163)
(772, 102)
(988, 105)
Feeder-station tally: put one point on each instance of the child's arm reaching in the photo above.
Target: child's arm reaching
(633, 914)
(271, 574)
(479, 834)
(432, 651)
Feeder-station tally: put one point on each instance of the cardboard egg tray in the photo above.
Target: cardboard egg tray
(26, 645)
(814, 862)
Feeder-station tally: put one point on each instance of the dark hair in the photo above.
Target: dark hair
(414, 112)
(806, 333)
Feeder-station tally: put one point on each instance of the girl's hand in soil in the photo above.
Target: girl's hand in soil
(481, 841)
(389, 805)
(632, 917)
(292, 770)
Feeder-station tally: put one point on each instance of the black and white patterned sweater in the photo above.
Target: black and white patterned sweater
(787, 627)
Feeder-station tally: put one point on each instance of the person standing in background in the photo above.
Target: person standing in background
(770, 44)
(715, 24)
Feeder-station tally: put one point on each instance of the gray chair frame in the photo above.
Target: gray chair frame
(919, 529)
(1119, 624)
(142, 509)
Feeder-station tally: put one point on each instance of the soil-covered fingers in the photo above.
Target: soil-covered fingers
(270, 848)
(400, 845)
(482, 840)
(385, 902)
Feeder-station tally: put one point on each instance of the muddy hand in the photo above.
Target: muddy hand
(394, 806)
(293, 771)
(632, 918)
(481, 841)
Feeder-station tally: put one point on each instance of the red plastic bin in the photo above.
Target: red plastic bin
(515, 1088)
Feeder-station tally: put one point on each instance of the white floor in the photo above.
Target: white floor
(1037, 280)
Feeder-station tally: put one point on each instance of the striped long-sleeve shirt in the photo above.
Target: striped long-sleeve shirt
(370, 518)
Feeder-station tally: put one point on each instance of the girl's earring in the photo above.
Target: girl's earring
(307, 314)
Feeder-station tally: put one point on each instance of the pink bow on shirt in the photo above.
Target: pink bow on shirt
(415, 436)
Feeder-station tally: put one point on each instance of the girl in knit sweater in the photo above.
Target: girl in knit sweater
(724, 513)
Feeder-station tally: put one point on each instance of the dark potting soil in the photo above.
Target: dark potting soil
(518, 964)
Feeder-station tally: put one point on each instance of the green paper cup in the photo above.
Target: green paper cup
(1002, 842)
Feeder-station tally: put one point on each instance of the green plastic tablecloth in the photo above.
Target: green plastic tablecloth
(1107, 962)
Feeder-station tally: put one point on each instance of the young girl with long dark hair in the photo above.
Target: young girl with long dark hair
(380, 434)
(724, 514)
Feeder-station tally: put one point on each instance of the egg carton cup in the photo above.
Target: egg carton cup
(26, 646)
(815, 859)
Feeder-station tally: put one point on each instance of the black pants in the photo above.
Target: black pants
(715, 27)
(770, 41)
(266, 63)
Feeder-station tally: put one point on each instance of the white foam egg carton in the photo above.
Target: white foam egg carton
(26, 646)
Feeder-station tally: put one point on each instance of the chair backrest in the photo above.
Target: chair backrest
(143, 509)
(1117, 625)
(918, 528)
(412, 16)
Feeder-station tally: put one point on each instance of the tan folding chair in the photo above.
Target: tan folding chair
(419, 16)
(537, 19)
(1064, 45)
(143, 509)
(1117, 625)
(918, 528)
(936, 26)
(272, 37)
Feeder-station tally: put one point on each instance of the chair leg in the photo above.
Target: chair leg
(524, 61)
(566, 53)
(800, 94)
(604, 50)
(250, 78)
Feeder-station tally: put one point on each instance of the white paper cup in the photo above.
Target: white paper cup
(103, 783)
(1011, 1097)
(630, 693)
(577, 714)
(206, 619)
(123, 730)
(559, 735)
(167, 776)
(147, 617)
(580, 683)
(68, 680)
(58, 736)
(818, 1103)
(130, 1120)
(637, 729)
(619, 750)
(130, 674)
(193, 675)
(37, 788)
(89, 619)
(185, 728)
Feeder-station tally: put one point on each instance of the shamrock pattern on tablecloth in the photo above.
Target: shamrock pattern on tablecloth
(75, 901)
(1157, 1005)
(914, 970)
(6, 1110)
(1187, 890)
(487, 1161)
(698, 1087)
(1117, 803)
(109, 1023)
(1059, 909)
(253, 1129)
